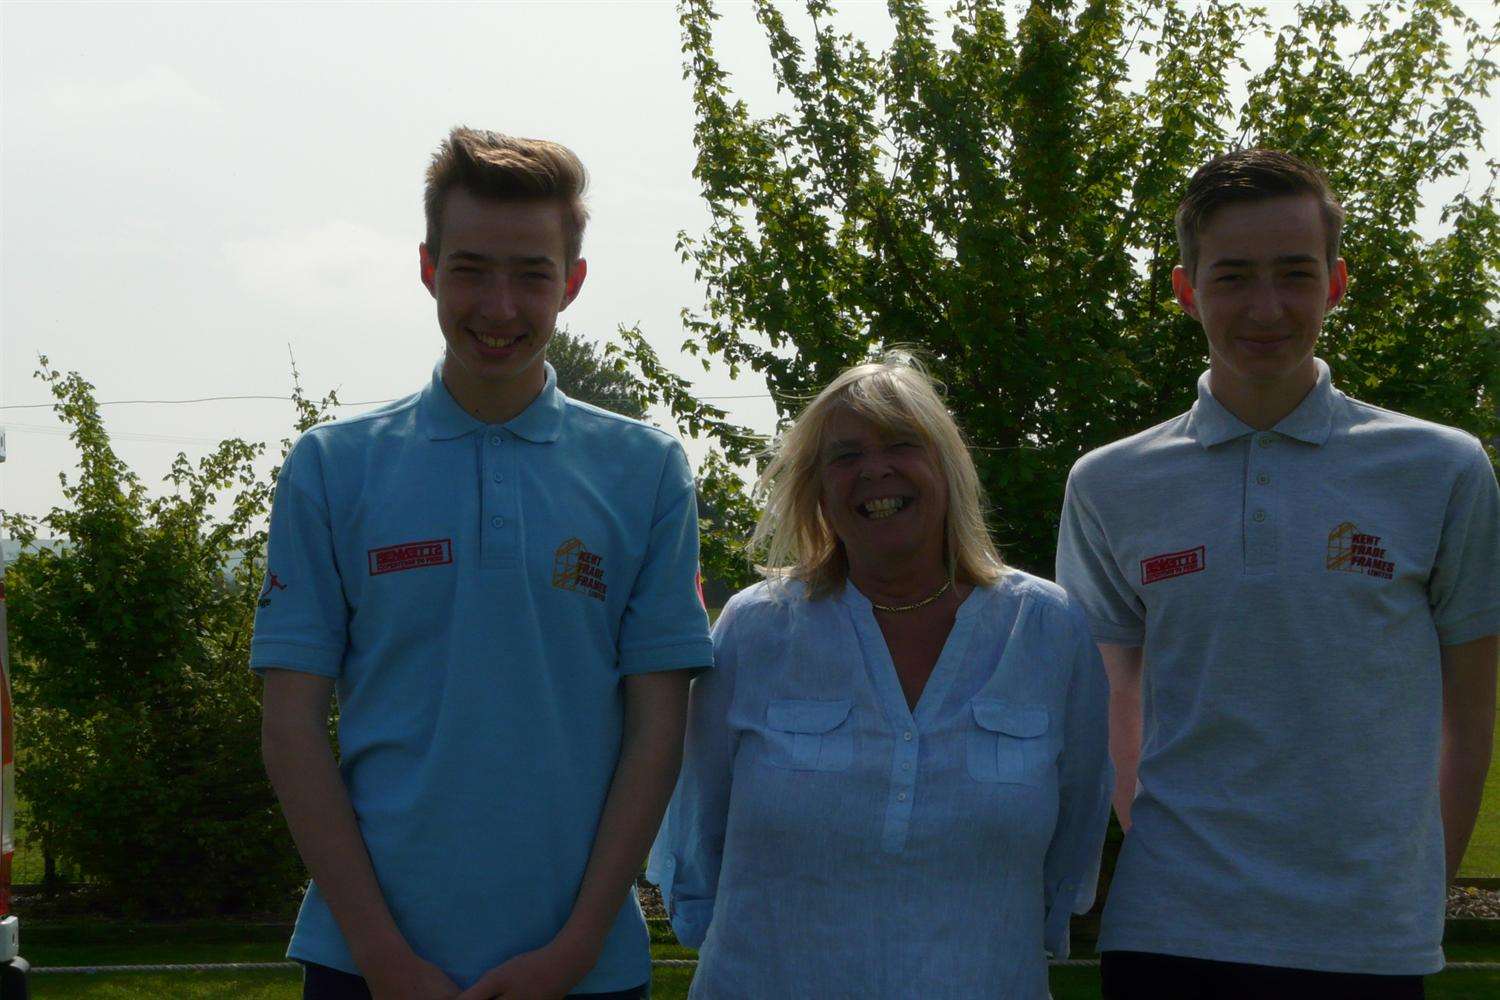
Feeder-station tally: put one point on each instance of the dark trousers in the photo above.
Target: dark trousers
(1138, 975)
(319, 982)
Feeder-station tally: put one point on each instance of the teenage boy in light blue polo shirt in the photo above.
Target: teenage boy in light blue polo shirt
(1297, 601)
(499, 583)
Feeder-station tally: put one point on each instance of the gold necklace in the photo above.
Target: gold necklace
(920, 604)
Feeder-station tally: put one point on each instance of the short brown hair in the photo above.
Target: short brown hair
(490, 165)
(1247, 175)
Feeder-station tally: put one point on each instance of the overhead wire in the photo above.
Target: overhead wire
(284, 399)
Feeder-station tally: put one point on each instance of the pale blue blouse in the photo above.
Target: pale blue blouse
(826, 841)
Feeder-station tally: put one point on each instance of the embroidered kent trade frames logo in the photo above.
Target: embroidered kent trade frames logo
(1353, 551)
(411, 555)
(575, 568)
(1170, 564)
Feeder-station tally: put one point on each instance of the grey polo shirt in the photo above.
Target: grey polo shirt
(1291, 588)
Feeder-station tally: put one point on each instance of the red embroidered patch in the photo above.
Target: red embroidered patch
(1170, 564)
(411, 555)
(273, 582)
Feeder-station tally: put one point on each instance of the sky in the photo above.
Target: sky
(192, 194)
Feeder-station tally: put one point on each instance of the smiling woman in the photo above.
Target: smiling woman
(895, 780)
(877, 426)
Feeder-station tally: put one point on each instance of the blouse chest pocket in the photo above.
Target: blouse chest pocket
(804, 735)
(1008, 743)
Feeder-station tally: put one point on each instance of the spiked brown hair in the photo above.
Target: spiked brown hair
(505, 168)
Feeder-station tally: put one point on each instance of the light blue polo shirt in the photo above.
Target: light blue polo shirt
(1291, 588)
(478, 592)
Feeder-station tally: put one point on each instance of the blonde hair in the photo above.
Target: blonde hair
(897, 395)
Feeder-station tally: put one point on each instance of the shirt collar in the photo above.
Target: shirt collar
(540, 422)
(1311, 421)
(542, 419)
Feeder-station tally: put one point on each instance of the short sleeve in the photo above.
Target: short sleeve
(301, 618)
(689, 851)
(1464, 589)
(1085, 780)
(665, 626)
(1088, 571)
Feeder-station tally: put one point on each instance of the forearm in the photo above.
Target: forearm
(1124, 750)
(1468, 735)
(316, 804)
(650, 757)
(1124, 665)
(1461, 786)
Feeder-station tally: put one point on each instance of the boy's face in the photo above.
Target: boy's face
(1261, 289)
(500, 280)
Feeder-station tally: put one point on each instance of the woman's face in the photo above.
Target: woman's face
(883, 494)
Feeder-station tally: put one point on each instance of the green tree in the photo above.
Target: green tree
(587, 373)
(1004, 199)
(138, 721)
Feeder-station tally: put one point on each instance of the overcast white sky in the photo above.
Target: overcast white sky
(186, 190)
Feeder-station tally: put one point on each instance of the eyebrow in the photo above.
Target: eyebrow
(484, 258)
(833, 446)
(842, 444)
(1288, 258)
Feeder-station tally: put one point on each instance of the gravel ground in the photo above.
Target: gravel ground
(1473, 902)
(1461, 902)
(650, 897)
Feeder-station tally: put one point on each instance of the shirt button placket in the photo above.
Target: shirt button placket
(1260, 506)
(496, 545)
(903, 792)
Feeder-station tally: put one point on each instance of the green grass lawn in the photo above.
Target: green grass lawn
(667, 984)
(93, 943)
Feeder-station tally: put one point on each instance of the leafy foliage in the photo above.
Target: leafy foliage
(1004, 201)
(139, 723)
(585, 373)
(726, 520)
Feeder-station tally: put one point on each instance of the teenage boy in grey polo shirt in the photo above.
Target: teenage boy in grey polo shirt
(1297, 600)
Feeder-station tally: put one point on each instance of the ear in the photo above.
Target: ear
(576, 274)
(1338, 282)
(428, 269)
(1182, 287)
